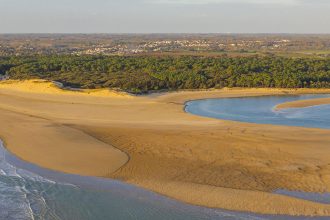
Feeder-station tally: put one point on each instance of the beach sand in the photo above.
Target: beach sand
(149, 141)
(303, 103)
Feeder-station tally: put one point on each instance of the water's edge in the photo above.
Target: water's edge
(101, 184)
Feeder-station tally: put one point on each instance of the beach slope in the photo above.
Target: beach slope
(151, 142)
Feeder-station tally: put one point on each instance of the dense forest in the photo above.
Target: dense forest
(140, 74)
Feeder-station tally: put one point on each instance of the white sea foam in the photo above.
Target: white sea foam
(16, 201)
(13, 203)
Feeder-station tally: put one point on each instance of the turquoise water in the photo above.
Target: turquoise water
(261, 110)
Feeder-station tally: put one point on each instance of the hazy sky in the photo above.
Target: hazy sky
(165, 16)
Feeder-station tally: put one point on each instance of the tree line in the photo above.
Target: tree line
(141, 74)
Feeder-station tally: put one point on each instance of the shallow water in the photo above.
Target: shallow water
(26, 195)
(261, 110)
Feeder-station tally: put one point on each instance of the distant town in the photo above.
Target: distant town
(135, 44)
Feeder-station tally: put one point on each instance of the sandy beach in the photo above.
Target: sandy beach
(149, 141)
(304, 103)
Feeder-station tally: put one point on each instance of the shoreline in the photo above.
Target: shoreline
(201, 161)
(106, 184)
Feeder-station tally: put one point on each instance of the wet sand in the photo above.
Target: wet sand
(303, 103)
(151, 142)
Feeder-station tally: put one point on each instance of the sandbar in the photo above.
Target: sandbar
(303, 103)
(149, 141)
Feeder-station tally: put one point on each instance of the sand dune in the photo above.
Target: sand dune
(46, 87)
(151, 142)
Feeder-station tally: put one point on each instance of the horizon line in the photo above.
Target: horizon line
(169, 33)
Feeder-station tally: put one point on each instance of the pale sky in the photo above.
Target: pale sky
(164, 16)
